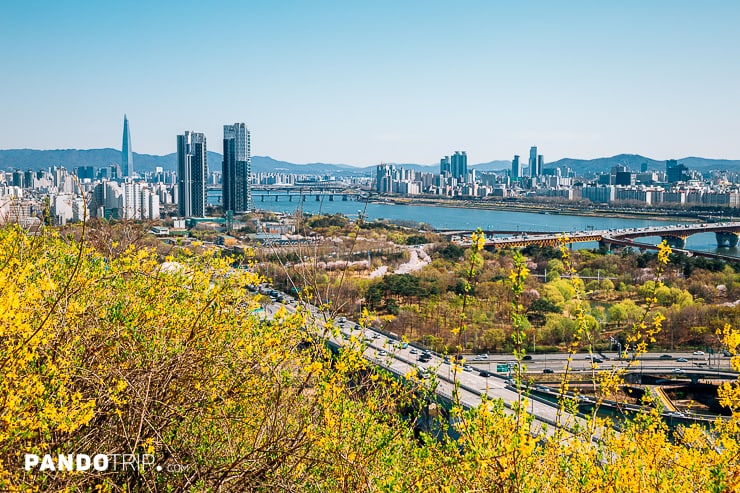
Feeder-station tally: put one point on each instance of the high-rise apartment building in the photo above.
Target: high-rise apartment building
(459, 165)
(237, 166)
(516, 169)
(127, 155)
(444, 165)
(192, 170)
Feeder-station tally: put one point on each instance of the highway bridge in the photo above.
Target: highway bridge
(727, 235)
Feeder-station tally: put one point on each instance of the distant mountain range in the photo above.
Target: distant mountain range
(25, 159)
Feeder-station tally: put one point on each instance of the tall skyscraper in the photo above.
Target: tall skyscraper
(237, 166)
(127, 155)
(516, 169)
(192, 170)
(459, 165)
(533, 161)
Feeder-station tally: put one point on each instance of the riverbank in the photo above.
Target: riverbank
(540, 208)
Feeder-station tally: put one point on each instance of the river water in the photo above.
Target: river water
(469, 219)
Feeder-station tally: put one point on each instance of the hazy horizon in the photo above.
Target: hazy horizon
(361, 84)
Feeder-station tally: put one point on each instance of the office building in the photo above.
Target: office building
(85, 173)
(675, 171)
(127, 155)
(192, 170)
(625, 178)
(236, 168)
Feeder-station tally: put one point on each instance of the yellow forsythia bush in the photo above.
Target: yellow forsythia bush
(140, 373)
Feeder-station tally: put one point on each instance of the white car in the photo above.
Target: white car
(698, 353)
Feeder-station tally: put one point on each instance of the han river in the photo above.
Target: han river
(457, 218)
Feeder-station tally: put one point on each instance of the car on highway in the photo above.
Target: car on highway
(698, 353)
(481, 357)
(665, 356)
(527, 357)
(383, 352)
(413, 351)
(421, 372)
(467, 368)
(425, 357)
(548, 370)
(682, 360)
(485, 373)
(678, 370)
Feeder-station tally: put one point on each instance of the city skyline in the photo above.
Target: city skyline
(362, 84)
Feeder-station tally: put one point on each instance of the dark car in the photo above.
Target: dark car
(485, 373)
(548, 370)
(666, 356)
(527, 357)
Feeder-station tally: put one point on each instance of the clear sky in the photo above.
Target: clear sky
(363, 82)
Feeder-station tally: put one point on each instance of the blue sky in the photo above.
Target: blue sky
(363, 82)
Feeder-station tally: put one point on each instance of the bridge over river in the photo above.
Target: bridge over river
(727, 235)
(301, 193)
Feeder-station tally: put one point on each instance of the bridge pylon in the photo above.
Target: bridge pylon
(726, 239)
(674, 241)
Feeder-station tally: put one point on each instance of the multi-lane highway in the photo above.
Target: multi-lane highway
(490, 375)
(403, 359)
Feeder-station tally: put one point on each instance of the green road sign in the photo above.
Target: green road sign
(502, 368)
